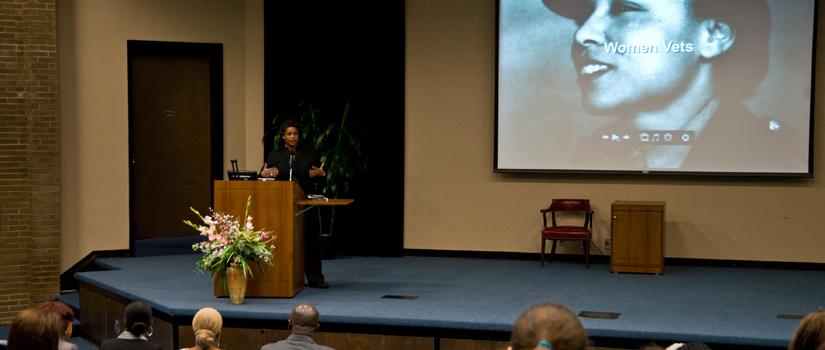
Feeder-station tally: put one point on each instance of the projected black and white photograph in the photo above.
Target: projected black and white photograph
(682, 86)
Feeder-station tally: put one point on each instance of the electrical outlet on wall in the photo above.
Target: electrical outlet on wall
(608, 244)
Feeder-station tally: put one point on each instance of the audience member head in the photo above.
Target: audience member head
(547, 326)
(138, 317)
(304, 320)
(64, 312)
(207, 326)
(810, 334)
(689, 346)
(35, 329)
(651, 346)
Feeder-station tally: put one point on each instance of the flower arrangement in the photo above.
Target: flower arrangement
(230, 243)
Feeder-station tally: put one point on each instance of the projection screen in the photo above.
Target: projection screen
(702, 87)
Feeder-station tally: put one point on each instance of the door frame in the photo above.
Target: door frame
(214, 52)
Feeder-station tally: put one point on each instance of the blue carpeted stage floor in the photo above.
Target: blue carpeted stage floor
(735, 306)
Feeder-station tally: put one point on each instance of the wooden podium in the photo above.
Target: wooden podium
(274, 208)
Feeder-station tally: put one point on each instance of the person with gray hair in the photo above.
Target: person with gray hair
(303, 323)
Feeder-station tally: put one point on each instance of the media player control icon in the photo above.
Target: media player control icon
(668, 137)
(685, 137)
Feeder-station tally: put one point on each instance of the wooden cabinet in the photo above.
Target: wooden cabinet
(637, 234)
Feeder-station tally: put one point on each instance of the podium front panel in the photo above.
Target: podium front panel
(272, 209)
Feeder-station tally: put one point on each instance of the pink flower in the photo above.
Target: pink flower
(249, 223)
(208, 233)
(208, 220)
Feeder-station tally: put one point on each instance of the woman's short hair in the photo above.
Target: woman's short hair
(138, 317)
(207, 324)
(810, 334)
(290, 123)
(62, 310)
(35, 329)
(551, 323)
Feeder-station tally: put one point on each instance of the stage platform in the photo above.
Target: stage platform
(479, 299)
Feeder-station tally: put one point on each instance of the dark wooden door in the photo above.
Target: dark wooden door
(171, 142)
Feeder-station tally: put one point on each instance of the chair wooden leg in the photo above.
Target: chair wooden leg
(543, 240)
(552, 252)
(587, 254)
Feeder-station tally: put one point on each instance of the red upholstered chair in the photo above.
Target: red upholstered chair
(568, 233)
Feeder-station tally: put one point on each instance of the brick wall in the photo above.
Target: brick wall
(29, 156)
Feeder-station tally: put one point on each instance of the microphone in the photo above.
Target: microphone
(291, 155)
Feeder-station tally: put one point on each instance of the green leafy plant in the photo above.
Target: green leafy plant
(336, 139)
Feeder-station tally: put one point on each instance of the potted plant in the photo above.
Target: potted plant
(230, 249)
(336, 139)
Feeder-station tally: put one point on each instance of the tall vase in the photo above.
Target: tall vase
(236, 284)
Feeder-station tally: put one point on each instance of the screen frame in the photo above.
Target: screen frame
(664, 173)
